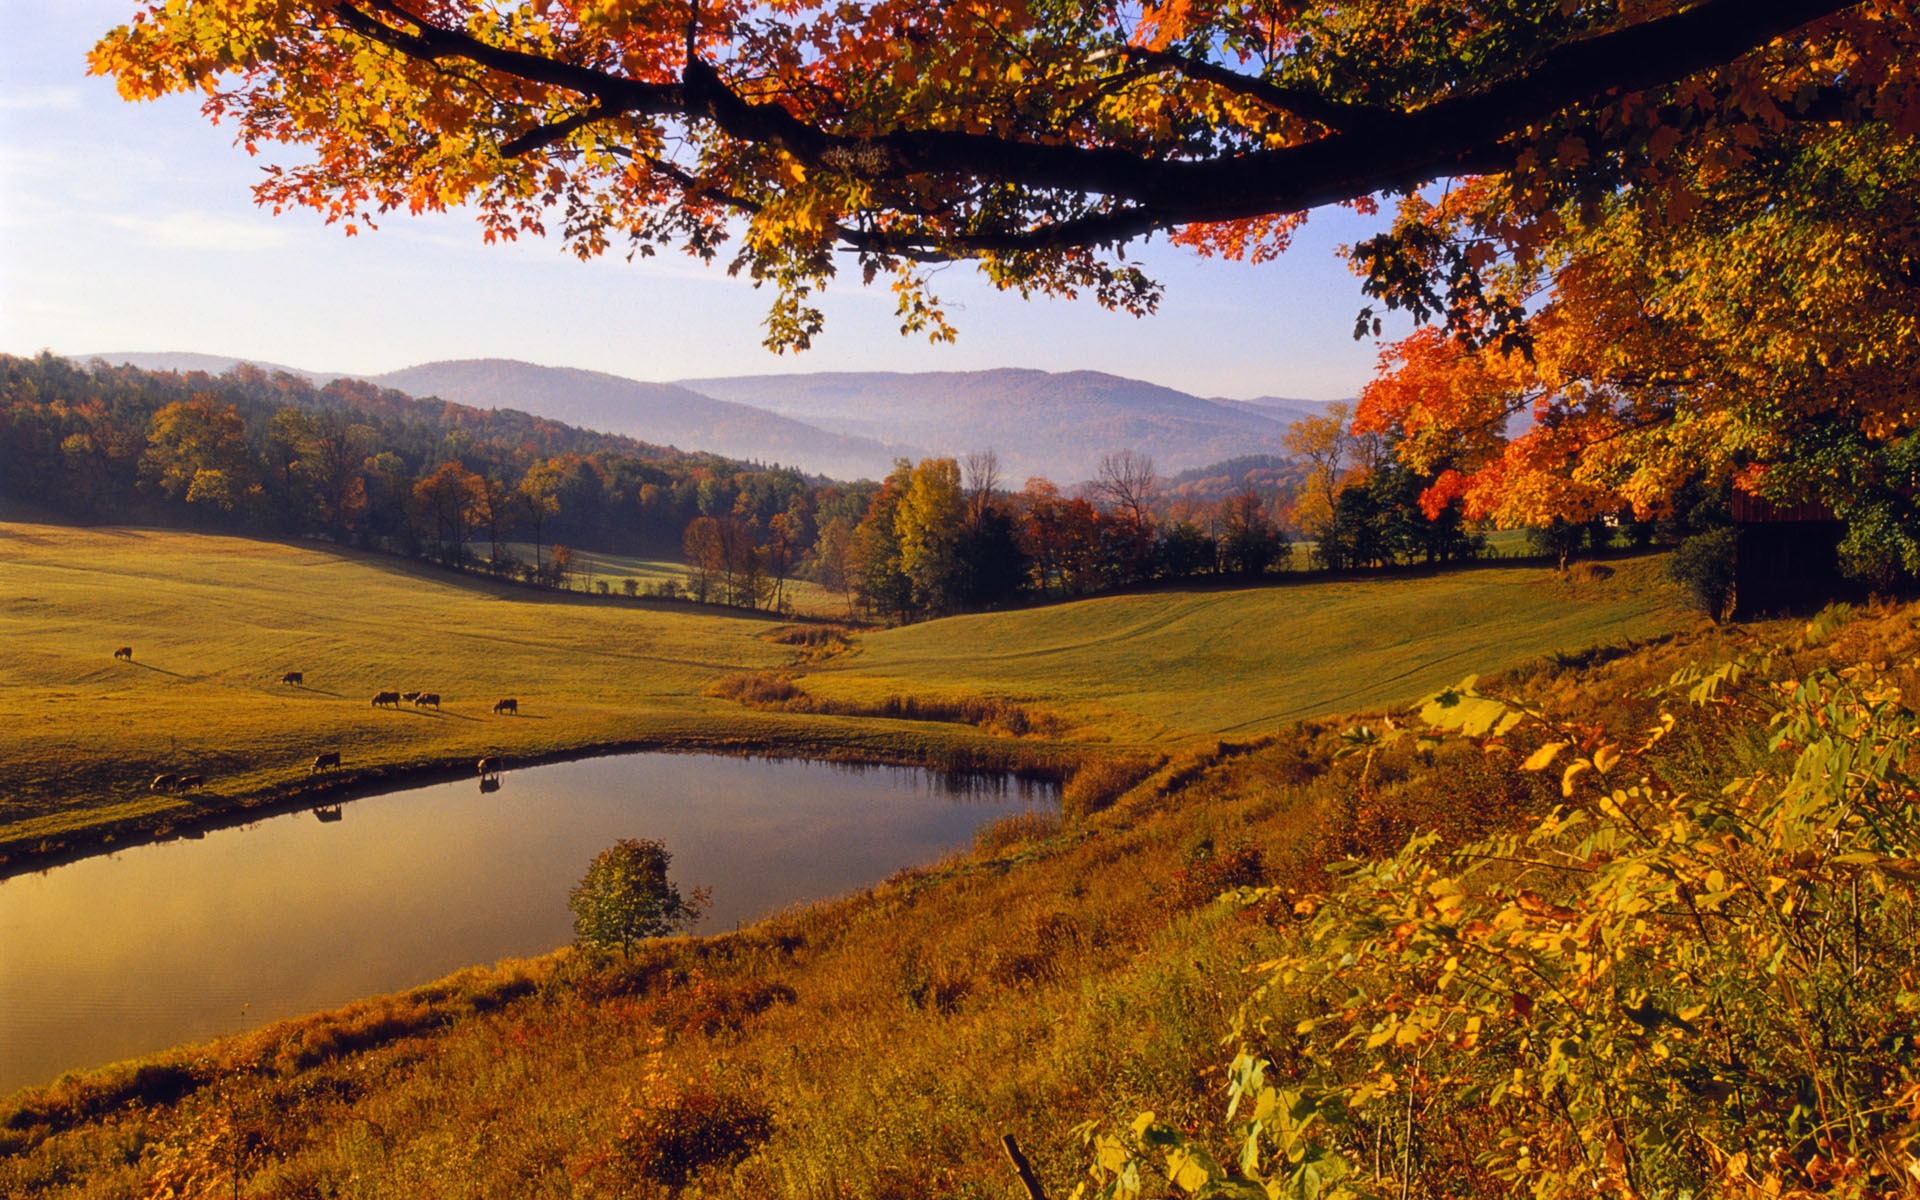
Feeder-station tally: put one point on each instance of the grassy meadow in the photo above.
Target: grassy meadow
(875, 1047)
(214, 622)
(1164, 668)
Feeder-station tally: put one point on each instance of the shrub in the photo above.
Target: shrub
(1210, 870)
(1703, 564)
(1097, 784)
(683, 1129)
(997, 837)
(626, 896)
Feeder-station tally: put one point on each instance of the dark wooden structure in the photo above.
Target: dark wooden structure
(1787, 558)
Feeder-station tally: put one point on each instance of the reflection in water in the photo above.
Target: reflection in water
(158, 945)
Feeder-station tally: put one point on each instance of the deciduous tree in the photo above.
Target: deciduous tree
(1040, 139)
(626, 897)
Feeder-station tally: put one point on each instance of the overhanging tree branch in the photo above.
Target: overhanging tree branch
(1366, 153)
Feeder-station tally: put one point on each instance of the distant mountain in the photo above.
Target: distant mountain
(1283, 409)
(854, 424)
(654, 412)
(1038, 422)
(212, 364)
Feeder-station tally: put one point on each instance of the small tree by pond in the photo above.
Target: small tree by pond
(625, 896)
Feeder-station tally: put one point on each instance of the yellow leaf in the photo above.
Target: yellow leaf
(1187, 1175)
(1543, 758)
(1605, 757)
(1574, 770)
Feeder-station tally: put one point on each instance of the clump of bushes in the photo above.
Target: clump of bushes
(774, 691)
(682, 1129)
(997, 837)
(760, 689)
(1210, 870)
(1703, 564)
(1096, 784)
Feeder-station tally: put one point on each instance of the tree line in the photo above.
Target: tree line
(513, 494)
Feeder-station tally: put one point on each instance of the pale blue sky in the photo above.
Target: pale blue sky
(131, 227)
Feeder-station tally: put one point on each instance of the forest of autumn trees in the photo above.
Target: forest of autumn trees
(503, 492)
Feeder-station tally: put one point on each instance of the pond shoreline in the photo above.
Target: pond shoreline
(26, 854)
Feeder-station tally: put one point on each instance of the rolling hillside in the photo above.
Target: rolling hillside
(214, 621)
(1168, 667)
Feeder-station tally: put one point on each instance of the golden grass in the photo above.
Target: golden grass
(873, 1047)
(877, 1046)
(215, 622)
(1180, 667)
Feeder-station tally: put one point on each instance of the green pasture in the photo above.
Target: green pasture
(592, 567)
(215, 622)
(1177, 665)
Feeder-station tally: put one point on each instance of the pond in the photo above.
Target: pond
(159, 945)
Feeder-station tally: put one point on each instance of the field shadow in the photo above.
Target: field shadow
(157, 670)
(319, 691)
(440, 713)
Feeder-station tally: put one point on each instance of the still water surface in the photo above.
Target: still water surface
(155, 946)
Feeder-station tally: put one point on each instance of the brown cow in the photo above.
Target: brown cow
(427, 700)
(489, 766)
(124, 652)
(188, 782)
(295, 678)
(509, 705)
(329, 758)
(384, 698)
(163, 783)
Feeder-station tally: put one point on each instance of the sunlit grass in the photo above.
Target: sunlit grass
(214, 623)
(1176, 666)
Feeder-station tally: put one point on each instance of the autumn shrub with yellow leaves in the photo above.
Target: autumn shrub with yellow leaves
(1649, 991)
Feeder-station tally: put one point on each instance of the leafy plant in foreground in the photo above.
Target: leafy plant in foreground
(1646, 993)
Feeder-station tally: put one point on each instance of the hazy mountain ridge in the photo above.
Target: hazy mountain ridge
(1056, 424)
(655, 412)
(855, 424)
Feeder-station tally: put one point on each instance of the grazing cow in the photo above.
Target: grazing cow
(489, 767)
(321, 762)
(386, 698)
(410, 697)
(124, 653)
(427, 700)
(295, 678)
(163, 783)
(509, 705)
(188, 782)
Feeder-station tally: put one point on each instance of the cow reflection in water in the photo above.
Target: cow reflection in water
(490, 785)
(328, 813)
